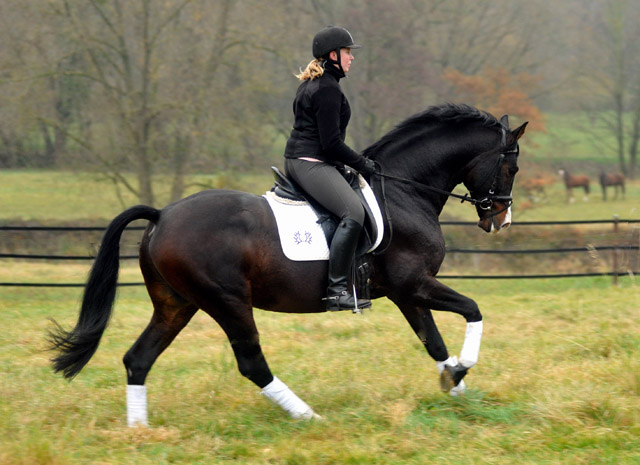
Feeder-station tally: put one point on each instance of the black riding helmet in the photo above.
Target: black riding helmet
(331, 38)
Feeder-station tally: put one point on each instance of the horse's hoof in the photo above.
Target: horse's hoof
(446, 380)
(451, 377)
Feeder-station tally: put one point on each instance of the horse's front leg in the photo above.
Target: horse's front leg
(450, 370)
(436, 295)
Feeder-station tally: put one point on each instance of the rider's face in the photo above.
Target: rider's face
(345, 58)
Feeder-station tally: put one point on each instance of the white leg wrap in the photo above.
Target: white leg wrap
(137, 405)
(451, 361)
(471, 346)
(280, 394)
(458, 390)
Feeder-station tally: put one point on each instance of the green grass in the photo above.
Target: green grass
(558, 379)
(61, 196)
(571, 140)
(558, 382)
(54, 197)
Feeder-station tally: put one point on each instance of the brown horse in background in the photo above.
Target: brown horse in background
(572, 181)
(612, 179)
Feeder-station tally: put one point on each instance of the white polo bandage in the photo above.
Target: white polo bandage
(280, 394)
(451, 361)
(136, 405)
(471, 347)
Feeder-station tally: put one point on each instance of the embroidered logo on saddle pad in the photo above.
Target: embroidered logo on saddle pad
(301, 236)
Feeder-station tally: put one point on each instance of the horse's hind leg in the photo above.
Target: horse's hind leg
(171, 314)
(242, 333)
(619, 191)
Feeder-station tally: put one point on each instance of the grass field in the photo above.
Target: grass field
(63, 197)
(558, 382)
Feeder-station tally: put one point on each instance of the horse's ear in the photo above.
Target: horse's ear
(519, 131)
(505, 121)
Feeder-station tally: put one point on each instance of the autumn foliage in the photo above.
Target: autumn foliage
(499, 93)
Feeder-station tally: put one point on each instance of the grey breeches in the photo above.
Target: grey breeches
(326, 185)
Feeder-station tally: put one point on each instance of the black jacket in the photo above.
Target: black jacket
(321, 114)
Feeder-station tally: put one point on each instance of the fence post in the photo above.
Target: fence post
(635, 257)
(616, 219)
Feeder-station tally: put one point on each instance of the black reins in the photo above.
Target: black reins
(485, 203)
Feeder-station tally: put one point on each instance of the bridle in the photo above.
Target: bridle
(486, 201)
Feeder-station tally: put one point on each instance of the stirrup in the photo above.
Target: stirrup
(345, 301)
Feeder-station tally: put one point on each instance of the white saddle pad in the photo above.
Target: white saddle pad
(301, 237)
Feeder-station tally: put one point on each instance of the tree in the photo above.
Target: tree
(614, 78)
(163, 89)
(412, 47)
(121, 43)
(498, 92)
(34, 91)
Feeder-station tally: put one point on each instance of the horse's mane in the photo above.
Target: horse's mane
(445, 113)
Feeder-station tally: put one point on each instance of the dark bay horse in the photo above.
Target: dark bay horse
(611, 179)
(572, 181)
(219, 251)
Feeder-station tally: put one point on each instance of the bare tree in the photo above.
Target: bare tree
(121, 43)
(163, 89)
(34, 92)
(614, 78)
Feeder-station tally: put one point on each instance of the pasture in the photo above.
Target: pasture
(558, 382)
(558, 379)
(52, 198)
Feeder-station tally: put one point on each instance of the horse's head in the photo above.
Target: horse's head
(490, 180)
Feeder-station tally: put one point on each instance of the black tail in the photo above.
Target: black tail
(76, 347)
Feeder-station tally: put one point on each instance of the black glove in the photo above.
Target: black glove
(369, 167)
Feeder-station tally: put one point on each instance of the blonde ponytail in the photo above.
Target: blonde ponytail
(313, 70)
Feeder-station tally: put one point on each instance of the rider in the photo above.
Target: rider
(316, 150)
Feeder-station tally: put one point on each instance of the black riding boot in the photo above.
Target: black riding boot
(341, 253)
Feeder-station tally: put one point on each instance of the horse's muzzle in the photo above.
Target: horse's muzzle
(496, 222)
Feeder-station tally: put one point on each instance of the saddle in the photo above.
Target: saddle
(372, 231)
(287, 188)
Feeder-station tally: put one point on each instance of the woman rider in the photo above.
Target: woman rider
(316, 150)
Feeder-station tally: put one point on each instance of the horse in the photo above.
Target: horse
(572, 181)
(218, 251)
(612, 179)
(534, 186)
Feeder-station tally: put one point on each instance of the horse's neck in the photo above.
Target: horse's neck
(416, 199)
(437, 158)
